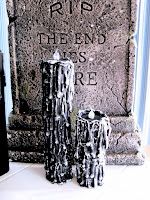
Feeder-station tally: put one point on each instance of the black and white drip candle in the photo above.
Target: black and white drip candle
(92, 139)
(58, 91)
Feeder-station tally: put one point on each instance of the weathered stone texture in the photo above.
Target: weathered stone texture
(125, 159)
(25, 122)
(33, 122)
(99, 39)
(124, 143)
(29, 157)
(98, 36)
(34, 141)
(122, 124)
(26, 140)
(111, 159)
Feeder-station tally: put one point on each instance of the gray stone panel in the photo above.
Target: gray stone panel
(25, 122)
(111, 159)
(125, 159)
(124, 143)
(95, 34)
(34, 141)
(98, 36)
(26, 140)
(28, 157)
(119, 124)
(123, 124)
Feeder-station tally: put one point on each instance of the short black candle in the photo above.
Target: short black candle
(58, 90)
(92, 136)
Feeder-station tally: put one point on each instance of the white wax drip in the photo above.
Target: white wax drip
(91, 114)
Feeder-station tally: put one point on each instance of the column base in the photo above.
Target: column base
(26, 140)
(33, 141)
(125, 159)
(111, 159)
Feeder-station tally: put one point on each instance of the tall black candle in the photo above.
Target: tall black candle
(58, 90)
(92, 134)
(4, 163)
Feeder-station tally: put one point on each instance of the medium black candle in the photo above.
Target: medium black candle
(58, 90)
(4, 163)
(92, 134)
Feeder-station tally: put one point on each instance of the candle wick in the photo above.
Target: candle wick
(91, 114)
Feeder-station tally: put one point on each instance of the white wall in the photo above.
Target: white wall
(142, 96)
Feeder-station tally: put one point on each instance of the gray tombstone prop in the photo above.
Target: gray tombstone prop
(98, 36)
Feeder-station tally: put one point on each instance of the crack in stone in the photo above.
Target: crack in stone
(111, 89)
(119, 138)
(116, 123)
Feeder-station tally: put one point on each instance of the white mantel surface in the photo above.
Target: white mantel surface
(28, 182)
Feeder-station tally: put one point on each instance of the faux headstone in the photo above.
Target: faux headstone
(97, 36)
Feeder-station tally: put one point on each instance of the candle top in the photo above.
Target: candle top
(56, 59)
(91, 115)
(61, 61)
